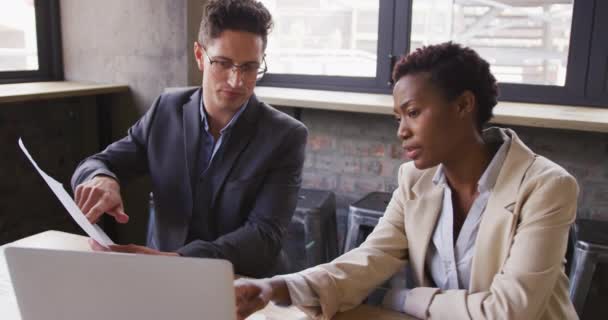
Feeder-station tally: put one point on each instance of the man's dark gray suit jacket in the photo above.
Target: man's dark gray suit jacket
(254, 179)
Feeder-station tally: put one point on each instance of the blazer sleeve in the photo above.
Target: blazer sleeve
(253, 248)
(343, 283)
(123, 159)
(530, 273)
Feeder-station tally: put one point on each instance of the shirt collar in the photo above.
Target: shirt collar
(205, 123)
(490, 175)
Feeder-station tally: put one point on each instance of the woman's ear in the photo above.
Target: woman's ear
(466, 103)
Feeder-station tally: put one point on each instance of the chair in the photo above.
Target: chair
(311, 237)
(363, 216)
(591, 248)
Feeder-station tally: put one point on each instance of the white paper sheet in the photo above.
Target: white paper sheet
(93, 230)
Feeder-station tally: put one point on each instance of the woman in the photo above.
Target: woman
(482, 220)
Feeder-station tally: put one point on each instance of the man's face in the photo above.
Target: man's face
(225, 87)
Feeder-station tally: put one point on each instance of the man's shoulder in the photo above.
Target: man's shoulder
(177, 95)
(171, 101)
(274, 119)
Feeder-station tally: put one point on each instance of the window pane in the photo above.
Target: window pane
(323, 37)
(18, 46)
(525, 41)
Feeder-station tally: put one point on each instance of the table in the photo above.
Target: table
(62, 240)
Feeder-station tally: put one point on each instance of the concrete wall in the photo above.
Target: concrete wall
(195, 11)
(139, 42)
(143, 43)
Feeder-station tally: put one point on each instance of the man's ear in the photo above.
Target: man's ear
(198, 55)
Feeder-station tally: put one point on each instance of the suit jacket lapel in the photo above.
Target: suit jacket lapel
(192, 132)
(498, 222)
(421, 214)
(240, 136)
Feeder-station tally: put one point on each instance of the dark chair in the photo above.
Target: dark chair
(591, 249)
(311, 237)
(363, 216)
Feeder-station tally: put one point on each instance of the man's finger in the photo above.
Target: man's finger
(84, 195)
(77, 194)
(119, 214)
(93, 199)
(95, 213)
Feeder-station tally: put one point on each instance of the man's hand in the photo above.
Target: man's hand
(251, 296)
(129, 248)
(98, 196)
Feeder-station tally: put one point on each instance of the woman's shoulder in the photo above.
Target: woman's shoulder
(535, 165)
(547, 180)
(545, 169)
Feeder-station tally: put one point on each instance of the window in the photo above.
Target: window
(18, 46)
(540, 50)
(29, 41)
(324, 37)
(524, 41)
(330, 44)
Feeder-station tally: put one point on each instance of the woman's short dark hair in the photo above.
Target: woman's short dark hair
(453, 69)
(239, 15)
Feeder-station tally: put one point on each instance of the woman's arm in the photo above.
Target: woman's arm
(346, 281)
(343, 283)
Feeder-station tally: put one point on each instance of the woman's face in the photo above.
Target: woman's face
(430, 128)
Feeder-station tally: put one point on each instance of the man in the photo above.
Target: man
(225, 168)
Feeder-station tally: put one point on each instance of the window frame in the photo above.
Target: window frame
(587, 69)
(48, 34)
(597, 88)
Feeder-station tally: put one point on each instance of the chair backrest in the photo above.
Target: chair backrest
(570, 249)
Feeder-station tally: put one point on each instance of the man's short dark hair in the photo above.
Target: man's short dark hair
(453, 69)
(238, 15)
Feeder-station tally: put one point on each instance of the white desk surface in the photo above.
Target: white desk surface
(62, 240)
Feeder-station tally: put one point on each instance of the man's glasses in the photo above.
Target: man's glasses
(249, 71)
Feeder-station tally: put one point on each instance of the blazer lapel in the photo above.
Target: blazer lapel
(421, 214)
(240, 136)
(192, 131)
(498, 222)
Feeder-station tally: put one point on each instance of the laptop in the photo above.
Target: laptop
(75, 285)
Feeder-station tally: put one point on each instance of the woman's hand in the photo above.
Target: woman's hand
(251, 296)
